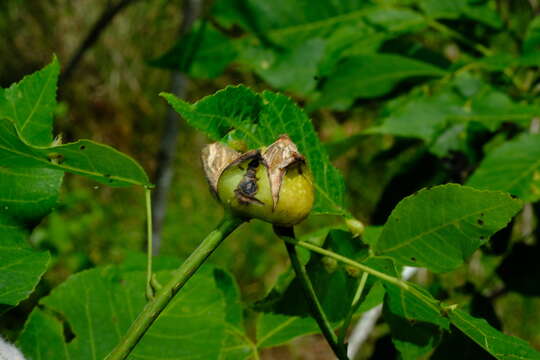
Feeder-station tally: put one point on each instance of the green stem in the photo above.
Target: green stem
(179, 278)
(149, 288)
(352, 309)
(385, 277)
(316, 309)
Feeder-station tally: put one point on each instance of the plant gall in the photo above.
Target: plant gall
(272, 183)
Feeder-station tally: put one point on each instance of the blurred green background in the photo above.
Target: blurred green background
(112, 97)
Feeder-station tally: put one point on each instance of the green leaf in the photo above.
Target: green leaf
(30, 104)
(100, 304)
(259, 120)
(275, 329)
(416, 324)
(454, 9)
(503, 347)
(84, 157)
(276, 69)
(513, 167)
(214, 52)
(370, 76)
(26, 113)
(531, 42)
(21, 267)
(421, 117)
(327, 282)
(27, 194)
(439, 228)
(43, 337)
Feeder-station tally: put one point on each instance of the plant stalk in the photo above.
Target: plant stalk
(179, 278)
(149, 288)
(385, 277)
(352, 309)
(316, 309)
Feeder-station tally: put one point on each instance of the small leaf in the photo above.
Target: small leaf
(439, 228)
(503, 347)
(514, 167)
(30, 104)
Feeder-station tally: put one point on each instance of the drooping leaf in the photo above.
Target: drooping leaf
(259, 120)
(439, 228)
(26, 114)
(369, 76)
(100, 304)
(514, 167)
(502, 346)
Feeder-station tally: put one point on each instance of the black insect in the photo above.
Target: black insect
(247, 188)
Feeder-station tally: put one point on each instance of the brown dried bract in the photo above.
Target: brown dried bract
(278, 157)
(216, 157)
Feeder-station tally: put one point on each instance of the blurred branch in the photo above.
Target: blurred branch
(100, 25)
(164, 171)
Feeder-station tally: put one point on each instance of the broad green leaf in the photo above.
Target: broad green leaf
(26, 114)
(513, 167)
(440, 227)
(100, 304)
(259, 120)
(27, 194)
(370, 76)
(84, 157)
(43, 337)
(30, 104)
(237, 344)
(21, 267)
(275, 329)
(503, 347)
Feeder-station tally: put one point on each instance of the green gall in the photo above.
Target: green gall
(355, 226)
(352, 271)
(330, 264)
(272, 184)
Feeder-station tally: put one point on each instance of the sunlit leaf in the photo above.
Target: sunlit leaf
(439, 228)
